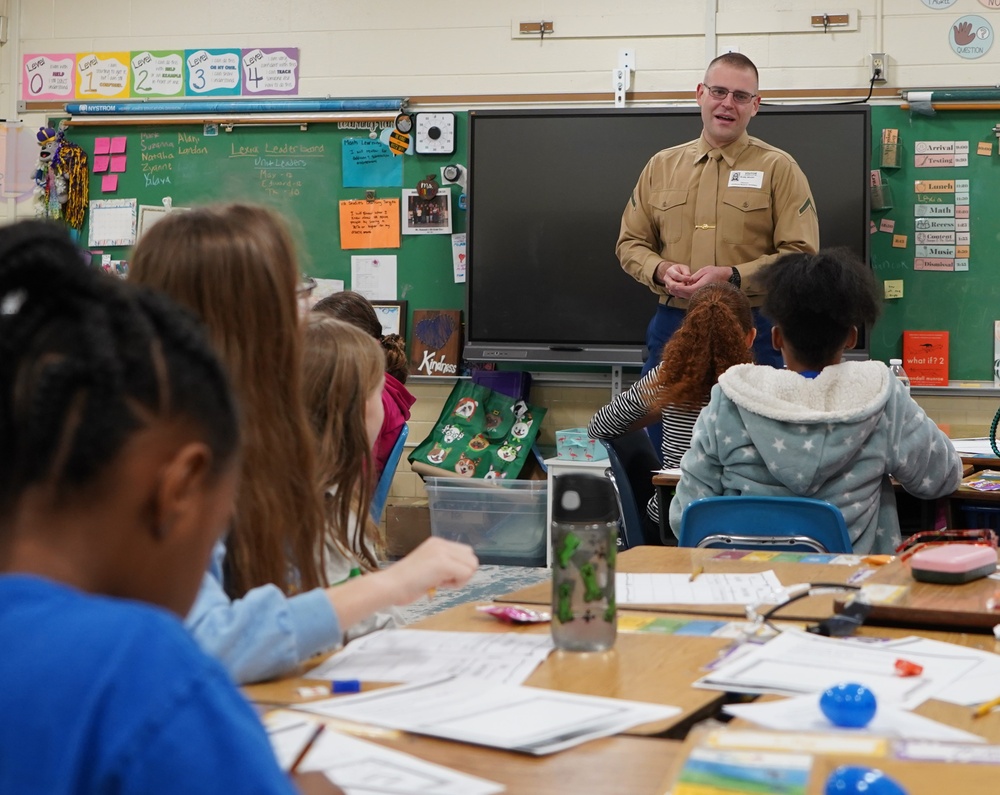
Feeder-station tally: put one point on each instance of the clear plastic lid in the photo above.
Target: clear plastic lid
(895, 361)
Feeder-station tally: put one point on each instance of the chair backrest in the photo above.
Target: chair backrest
(633, 462)
(791, 524)
(385, 479)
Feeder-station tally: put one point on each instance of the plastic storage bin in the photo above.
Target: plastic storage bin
(503, 520)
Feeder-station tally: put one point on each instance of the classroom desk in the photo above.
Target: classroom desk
(639, 668)
(667, 560)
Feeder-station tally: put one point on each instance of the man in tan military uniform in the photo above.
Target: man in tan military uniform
(716, 209)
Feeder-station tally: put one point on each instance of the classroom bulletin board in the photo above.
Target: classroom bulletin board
(318, 177)
(938, 233)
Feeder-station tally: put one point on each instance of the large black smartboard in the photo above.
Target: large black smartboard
(547, 190)
(297, 171)
(965, 303)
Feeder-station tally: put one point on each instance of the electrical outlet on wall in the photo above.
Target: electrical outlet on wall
(877, 67)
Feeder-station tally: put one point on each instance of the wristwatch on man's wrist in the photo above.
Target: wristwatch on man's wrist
(735, 279)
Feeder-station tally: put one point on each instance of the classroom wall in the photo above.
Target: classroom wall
(464, 54)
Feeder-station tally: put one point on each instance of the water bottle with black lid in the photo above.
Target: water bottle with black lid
(584, 545)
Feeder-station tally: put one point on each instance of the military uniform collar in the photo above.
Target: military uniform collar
(730, 152)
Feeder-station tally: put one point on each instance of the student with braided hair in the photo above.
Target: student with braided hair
(355, 309)
(265, 605)
(716, 333)
(119, 469)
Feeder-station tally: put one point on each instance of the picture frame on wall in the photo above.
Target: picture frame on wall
(392, 316)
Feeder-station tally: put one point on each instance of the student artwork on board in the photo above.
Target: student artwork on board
(430, 216)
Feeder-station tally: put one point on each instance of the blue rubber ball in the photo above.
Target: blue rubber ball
(858, 780)
(849, 705)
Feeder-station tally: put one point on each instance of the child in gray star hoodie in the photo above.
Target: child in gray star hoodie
(821, 428)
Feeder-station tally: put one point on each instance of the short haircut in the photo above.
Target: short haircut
(816, 299)
(736, 60)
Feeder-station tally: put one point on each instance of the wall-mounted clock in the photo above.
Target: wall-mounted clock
(435, 133)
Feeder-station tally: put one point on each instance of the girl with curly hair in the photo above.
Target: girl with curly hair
(717, 333)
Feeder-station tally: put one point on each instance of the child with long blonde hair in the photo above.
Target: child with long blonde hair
(264, 605)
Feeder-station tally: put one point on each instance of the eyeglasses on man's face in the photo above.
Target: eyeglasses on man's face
(720, 92)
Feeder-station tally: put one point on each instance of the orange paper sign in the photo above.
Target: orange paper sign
(369, 224)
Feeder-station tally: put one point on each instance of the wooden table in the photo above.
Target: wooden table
(931, 605)
(640, 667)
(609, 766)
(667, 560)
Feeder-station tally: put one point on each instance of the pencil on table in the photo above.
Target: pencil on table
(305, 749)
(694, 574)
(985, 709)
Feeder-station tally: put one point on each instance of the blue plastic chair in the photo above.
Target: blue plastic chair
(632, 463)
(385, 479)
(788, 524)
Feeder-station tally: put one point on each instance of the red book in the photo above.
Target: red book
(925, 357)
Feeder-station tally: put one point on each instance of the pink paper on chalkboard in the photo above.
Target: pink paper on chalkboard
(101, 163)
(109, 183)
(118, 163)
(102, 146)
(118, 144)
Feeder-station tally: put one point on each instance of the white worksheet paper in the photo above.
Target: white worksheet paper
(981, 684)
(363, 768)
(525, 719)
(409, 655)
(975, 446)
(706, 589)
(796, 662)
(802, 713)
(374, 277)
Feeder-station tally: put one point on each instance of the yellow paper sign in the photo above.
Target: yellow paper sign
(984, 148)
(102, 75)
(899, 241)
(893, 288)
(369, 224)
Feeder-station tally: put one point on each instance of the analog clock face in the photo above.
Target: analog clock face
(435, 133)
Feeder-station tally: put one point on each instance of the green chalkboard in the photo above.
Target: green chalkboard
(964, 303)
(300, 173)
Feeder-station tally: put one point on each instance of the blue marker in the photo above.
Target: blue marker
(341, 686)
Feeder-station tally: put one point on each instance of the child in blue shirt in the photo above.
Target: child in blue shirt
(119, 469)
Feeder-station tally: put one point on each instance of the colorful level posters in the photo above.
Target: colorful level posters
(158, 73)
(50, 76)
(102, 75)
(213, 73)
(270, 70)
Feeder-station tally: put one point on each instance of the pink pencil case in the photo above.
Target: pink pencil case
(954, 563)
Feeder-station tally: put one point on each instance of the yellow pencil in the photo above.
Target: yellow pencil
(985, 709)
(694, 574)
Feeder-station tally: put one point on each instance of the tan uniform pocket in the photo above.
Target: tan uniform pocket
(746, 217)
(668, 210)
